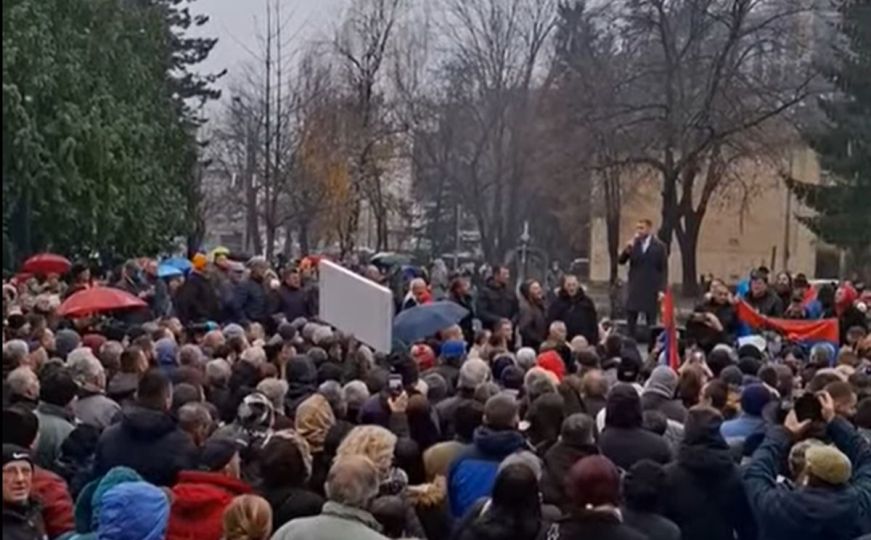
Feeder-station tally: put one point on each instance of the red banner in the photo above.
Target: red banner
(670, 325)
(794, 330)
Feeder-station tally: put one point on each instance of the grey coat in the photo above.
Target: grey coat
(648, 275)
(55, 425)
(336, 522)
(97, 410)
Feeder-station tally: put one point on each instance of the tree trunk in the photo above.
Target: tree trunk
(304, 239)
(612, 223)
(688, 240)
(669, 208)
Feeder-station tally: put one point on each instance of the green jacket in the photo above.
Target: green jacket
(336, 521)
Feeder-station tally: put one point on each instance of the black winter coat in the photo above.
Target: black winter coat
(288, 503)
(557, 463)
(252, 301)
(23, 522)
(706, 496)
(654, 526)
(532, 324)
(578, 313)
(768, 304)
(590, 526)
(149, 442)
(648, 274)
(626, 447)
(496, 302)
(295, 303)
(197, 300)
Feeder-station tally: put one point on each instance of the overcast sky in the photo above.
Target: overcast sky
(234, 23)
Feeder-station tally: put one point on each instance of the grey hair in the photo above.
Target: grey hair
(538, 382)
(275, 390)
(353, 481)
(254, 355)
(332, 391)
(192, 415)
(14, 351)
(85, 368)
(190, 355)
(356, 393)
(110, 353)
(526, 358)
(578, 429)
(20, 379)
(218, 372)
(525, 458)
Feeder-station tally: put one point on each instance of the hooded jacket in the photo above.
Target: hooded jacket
(811, 513)
(623, 440)
(658, 394)
(133, 511)
(558, 461)
(473, 473)
(149, 442)
(705, 494)
(57, 504)
(302, 380)
(198, 503)
(578, 312)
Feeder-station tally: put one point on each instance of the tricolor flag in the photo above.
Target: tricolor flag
(806, 332)
(669, 323)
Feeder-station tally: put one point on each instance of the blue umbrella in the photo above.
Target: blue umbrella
(423, 321)
(167, 271)
(180, 263)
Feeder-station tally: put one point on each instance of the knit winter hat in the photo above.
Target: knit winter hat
(662, 382)
(454, 349)
(13, 452)
(828, 464)
(754, 398)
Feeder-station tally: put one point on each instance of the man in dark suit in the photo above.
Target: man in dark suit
(648, 274)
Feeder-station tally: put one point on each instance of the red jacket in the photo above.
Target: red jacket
(57, 504)
(198, 503)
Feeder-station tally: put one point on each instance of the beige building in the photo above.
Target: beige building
(751, 223)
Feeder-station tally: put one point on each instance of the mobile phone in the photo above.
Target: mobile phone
(394, 384)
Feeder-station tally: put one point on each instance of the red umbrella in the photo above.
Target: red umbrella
(46, 263)
(98, 300)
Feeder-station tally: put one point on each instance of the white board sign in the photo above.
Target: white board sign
(355, 305)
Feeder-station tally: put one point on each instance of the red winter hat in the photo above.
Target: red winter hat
(551, 361)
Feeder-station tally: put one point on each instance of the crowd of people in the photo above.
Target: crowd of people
(227, 410)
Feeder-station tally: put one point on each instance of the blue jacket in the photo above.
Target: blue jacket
(473, 473)
(742, 427)
(782, 513)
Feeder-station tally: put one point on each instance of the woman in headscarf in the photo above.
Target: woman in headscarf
(512, 513)
(314, 419)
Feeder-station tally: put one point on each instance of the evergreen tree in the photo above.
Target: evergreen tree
(842, 204)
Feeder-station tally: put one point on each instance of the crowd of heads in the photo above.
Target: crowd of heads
(283, 427)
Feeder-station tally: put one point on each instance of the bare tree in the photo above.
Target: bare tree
(362, 44)
(703, 74)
